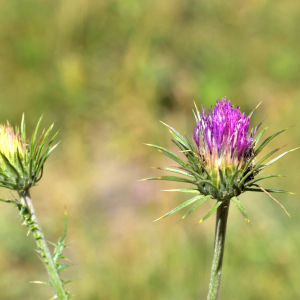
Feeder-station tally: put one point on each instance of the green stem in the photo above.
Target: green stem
(44, 251)
(216, 269)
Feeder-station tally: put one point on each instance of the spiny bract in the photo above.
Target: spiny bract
(221, 162)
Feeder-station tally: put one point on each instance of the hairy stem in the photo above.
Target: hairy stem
(216, 269)
(33, 224)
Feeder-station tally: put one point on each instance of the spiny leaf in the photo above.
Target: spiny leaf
(186, 203)
(170, 178)
(215, 207)
(240, 207)
(196, 206)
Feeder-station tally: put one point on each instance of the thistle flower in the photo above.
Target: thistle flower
(221, 164)
(21, 164)
(21, 167)
(222, 160)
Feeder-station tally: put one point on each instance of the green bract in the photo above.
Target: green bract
(22, 163)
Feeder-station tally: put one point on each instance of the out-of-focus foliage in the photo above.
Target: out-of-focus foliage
(106, 72)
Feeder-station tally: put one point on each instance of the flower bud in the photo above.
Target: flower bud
(21, 163)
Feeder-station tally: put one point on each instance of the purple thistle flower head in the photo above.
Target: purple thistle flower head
(222, 161)
(222, 136)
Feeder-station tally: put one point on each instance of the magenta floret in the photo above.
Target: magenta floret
(223, 129)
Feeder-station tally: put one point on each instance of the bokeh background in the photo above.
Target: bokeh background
(106, 72)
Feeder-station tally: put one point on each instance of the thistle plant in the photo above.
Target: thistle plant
(21, 167)
(222, 163)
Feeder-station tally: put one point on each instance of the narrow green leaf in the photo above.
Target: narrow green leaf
(278, 157)
(174, 171)
(172, 156)
(234, 176)
(9, 185)
(10, 166)
(209, 183)
(44, 158)
(186, 203)
(249, 183)
(269, 139)
(240, 207)
(262, 160)
(193, 191)
(42, 282)
(20, 161)
(259, 136)
(197, 111)
(258, 165)
(8, 201)
(192, 172)
(170, 178)
(254, 110)
(42, 143)
(269, 191)
(215, 207)
(190, 144)
(196, 206)
(192, 158)
(266, 192)
(36, 130)
(62, 267)
(68, 281)
(222, 181)
(23, 129)
(176, 134)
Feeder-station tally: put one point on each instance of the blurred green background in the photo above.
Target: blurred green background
(106, 72)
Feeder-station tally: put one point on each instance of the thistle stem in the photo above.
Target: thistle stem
(216, 269)
(33, 224)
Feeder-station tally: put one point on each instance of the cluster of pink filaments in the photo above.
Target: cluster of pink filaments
(222, 136)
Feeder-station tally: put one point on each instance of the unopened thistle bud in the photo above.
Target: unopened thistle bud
(222, 161)
(21, 163)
